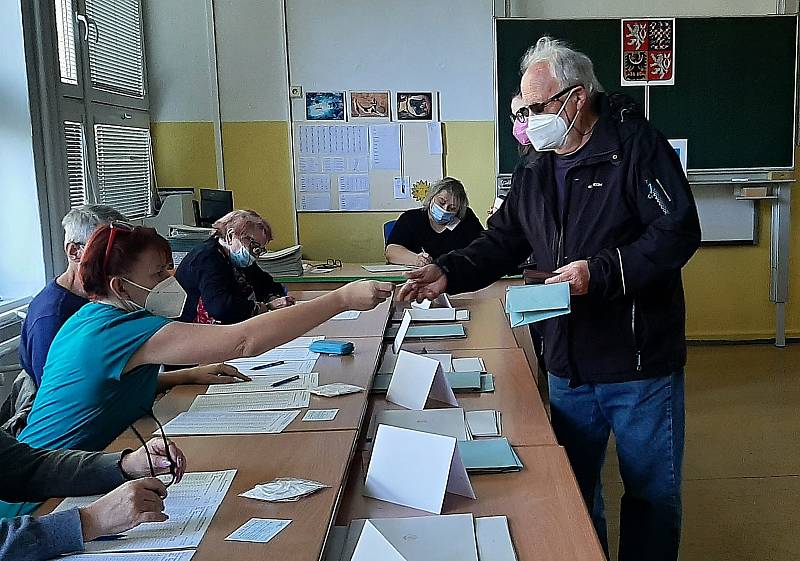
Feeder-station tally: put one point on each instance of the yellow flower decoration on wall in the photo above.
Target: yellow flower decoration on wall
(420, 190)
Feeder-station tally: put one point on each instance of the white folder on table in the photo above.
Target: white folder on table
(415, 379)
(415, 469)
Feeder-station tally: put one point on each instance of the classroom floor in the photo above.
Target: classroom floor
(741, 490)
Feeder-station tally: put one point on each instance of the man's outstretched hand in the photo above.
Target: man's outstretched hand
(426, 282)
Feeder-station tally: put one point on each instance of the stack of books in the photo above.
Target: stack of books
(283, 263)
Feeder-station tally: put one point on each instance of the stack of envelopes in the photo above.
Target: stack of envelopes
(484, 423)
(432, 331)
(490, 455)
(453, 537)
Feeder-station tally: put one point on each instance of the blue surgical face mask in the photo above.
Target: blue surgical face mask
(440, 215)
(242, 258)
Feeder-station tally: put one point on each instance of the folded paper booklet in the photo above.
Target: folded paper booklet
(417, 380)
(447, 422)
(491, 455)
(435, 538)
(537, 302)
(433, 331)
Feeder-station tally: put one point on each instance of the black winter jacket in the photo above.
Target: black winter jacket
(630, 212)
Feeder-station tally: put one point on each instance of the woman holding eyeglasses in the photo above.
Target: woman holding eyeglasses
(102, 367)
(223, 283)
(444, 223)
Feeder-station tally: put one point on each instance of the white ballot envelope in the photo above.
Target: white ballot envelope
(441, 301)
(415, 469)
(401, 332)
(417, 378)
(423, 538)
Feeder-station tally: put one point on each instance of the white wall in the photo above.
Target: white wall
(251, 56)
(416, 44)
(22, 263)
(639, 8)
(176, 43)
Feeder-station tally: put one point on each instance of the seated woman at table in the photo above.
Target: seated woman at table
(101, 371)
(223, 283)
(444, 223)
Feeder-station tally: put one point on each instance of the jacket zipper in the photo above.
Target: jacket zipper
(635, 344)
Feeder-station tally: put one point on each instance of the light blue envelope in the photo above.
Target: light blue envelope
(536, 302)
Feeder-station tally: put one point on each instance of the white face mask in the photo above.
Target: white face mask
(166, 299)
(548, 131)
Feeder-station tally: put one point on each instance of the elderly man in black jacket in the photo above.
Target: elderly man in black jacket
(608, 209)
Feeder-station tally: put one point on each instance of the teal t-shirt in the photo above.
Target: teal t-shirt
(85, 401)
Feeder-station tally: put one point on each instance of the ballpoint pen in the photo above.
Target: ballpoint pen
(268, 365)
(285, 381)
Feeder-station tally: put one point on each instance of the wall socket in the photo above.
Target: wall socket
(295, 91)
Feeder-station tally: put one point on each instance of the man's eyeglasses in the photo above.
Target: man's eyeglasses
(330, 264)
(115, 228)
(173, 466)
(537, 108)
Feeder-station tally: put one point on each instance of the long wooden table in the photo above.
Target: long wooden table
(547, 516)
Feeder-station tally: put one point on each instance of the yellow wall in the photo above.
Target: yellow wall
(727, 288)
(184, 154)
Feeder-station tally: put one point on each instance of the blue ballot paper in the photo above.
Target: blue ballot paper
(536, 302)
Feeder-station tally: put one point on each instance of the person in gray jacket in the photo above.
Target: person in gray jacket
(135, 497)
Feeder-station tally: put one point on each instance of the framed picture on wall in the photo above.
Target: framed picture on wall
(325, 106)
(415, 106)
(370, 105)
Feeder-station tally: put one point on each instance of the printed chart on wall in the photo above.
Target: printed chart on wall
(367, 164)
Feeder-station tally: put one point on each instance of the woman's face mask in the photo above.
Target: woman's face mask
(520, 133)
(440, 215)
(240, 257)
(166, 299)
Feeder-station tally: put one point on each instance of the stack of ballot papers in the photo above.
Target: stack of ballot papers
(190, 504)
(484, 423)
(447, 422)
(434, 331)
(197, 423)
(254, 401)
(490, 455)
(264, 383)
(536, 302)
(432, 314)
(283, 263)
(451, 537)
(284, 489)
(449, 364)
(184, 555)
(280, 360)
(461, 382)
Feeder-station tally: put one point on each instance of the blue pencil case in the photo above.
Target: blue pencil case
(332, 347)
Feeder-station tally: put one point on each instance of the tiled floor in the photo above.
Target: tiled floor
(741, 489)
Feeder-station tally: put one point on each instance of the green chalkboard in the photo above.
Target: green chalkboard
(734, 91)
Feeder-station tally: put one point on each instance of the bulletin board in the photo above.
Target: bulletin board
(342, 166)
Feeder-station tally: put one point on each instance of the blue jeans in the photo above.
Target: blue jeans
(647, 417)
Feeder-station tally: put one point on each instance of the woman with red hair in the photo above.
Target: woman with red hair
(101, 371)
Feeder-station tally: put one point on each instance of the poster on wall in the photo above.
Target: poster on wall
(415, 106)
(648, 52)
(370, 105)
(325, 106)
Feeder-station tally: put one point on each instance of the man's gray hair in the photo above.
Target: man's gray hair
(569, 67)
(81, 222)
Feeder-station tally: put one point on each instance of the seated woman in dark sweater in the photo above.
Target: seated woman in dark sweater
(222, 281)
(444, 223)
